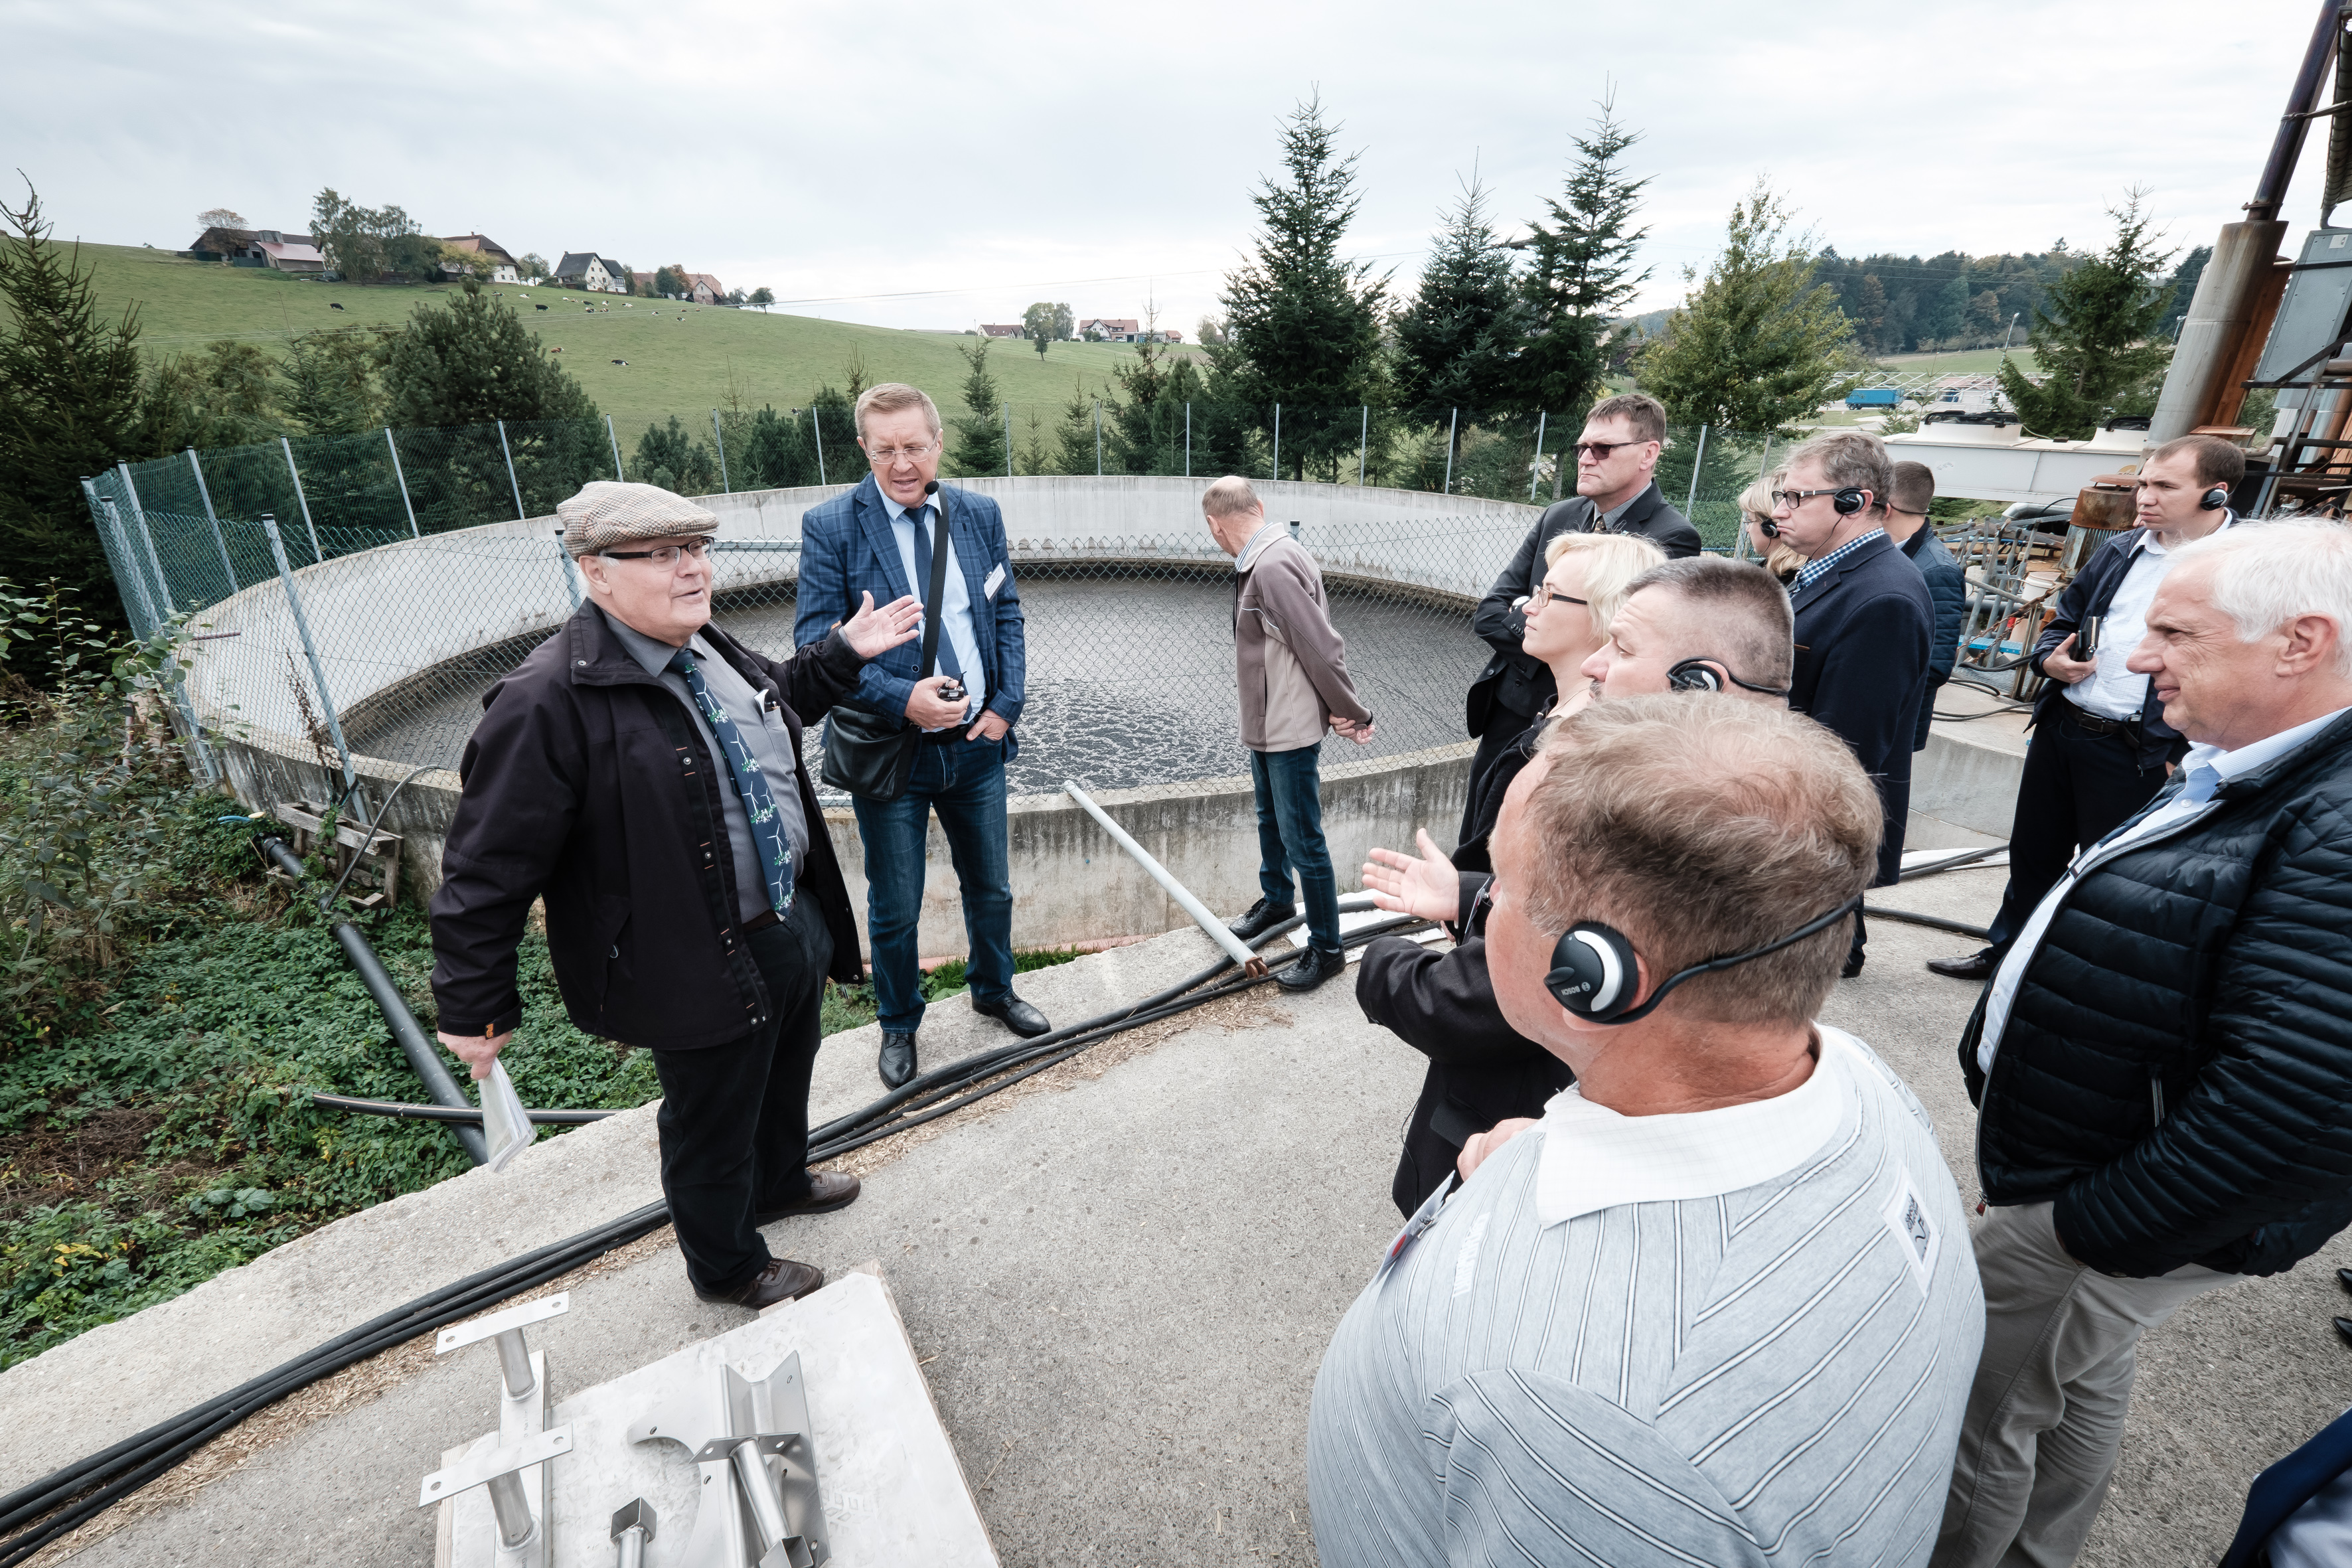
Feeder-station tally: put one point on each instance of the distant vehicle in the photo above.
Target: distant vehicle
(1874, 397)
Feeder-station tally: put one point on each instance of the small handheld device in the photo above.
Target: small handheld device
(2086, 638)
(951, 690)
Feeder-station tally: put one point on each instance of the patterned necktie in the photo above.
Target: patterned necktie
(920, 518)
(768, 835)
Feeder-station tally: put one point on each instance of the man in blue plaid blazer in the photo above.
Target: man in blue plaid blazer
(878, 538)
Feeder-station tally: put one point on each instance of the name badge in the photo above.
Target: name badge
(995, 581)
(1422, 1219)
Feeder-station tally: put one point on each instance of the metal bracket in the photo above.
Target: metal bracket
(753, 1438)
(518, 1499)
(507, 1470)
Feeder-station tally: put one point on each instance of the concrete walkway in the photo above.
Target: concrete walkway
(1124, 1284)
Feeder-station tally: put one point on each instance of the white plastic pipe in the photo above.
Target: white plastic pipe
(1218, 930)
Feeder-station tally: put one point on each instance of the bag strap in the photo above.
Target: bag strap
(939, 541)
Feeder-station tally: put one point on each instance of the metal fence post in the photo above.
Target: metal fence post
(162, 584)
(401, 478)
(719, 436)
(310, 650)
(317, 554)
(1364, 443)
(145, 606)
(818, 430)
(1188, 437)
(1696, 459)
(171, 679)
(1452, 425)
(618, 472)
(1535, 469)
(572, 568)
(1097, 437)
(509, 452)
(1277, 443)
(1008, 440)
(205, 491)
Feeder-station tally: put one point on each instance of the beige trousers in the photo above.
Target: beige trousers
(2046, 1416)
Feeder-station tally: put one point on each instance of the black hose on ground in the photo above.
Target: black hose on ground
(67, 1497)
(1970, 859)
(1910, 917)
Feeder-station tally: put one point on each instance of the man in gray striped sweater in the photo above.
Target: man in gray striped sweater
(1718, 1306)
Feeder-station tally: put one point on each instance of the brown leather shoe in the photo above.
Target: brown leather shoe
(1975, 966)
(782, 1281)
(828, 1190)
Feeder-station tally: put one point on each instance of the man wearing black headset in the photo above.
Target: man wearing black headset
(1865, 621)
(2101, 748)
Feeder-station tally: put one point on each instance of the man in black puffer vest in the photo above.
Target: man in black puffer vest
(2163, 1060)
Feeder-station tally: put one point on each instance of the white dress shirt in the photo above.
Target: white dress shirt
(2204, 771)
(955, 598)
(2110, 691)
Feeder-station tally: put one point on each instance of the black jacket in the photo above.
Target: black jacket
(1513, 680)
(2175, 1074)
(588, 781)
(1486, 792)
(2090, 593)
(1948, 585)
(1481, 1070)
(1863, 631)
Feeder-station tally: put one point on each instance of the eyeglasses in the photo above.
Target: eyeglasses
(887, 454)
(666, 556)
(1545, 594)
(1792, 499)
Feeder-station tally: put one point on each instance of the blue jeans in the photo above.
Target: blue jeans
(964, 781)
(1290, 837)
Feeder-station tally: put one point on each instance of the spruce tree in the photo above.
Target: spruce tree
(1457, 339)
(1582, 271)
(1757, 343)
(979, 445)
(70, 394)
(1304, 323)
(2095, 336)
(471, 362)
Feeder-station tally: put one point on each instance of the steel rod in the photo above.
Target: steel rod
(2286, 147)
(1696, 459)
(317, 554)
(1097, 437)
(1535, 469)
(1218, 930)
(205, 491)
(719, 436)
(1277, 443)
(1187, 439)
(760, 1489)
(514, 1363)
(1363, 442)
(508, 453)
(1452, 425)
(400, 476)
(309, 648)
(618, 472)
(512, 1509)
(1008, 440)
(816, 431)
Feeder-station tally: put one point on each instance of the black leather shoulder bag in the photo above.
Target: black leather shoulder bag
(872, 755)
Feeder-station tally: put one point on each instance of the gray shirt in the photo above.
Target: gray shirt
(764, 732)
(1734, 1337)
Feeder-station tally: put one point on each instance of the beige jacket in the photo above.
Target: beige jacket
(1291, 666)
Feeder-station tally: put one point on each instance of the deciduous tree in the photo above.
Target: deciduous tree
(1046, 323)
(1757, 343)
(2095, 338)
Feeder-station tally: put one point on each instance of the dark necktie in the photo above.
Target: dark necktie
(768, 836)
(921, 519)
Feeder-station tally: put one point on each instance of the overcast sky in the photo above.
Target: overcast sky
(934, 165)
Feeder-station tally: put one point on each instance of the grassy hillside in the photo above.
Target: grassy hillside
(1967, 361)
(681, 358)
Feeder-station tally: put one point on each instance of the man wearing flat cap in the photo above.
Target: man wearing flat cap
(640, 772)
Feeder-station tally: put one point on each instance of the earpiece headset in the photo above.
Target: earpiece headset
(1595, 974)
(1701, 675)
(1847, 501)
(2214, 500)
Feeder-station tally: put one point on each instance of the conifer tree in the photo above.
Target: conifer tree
(2095, 336)
(471, 362)
(979, 445)
(1582, 271)
(1457, 339)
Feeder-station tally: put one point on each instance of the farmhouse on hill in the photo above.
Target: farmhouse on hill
(258, 247)
(482, 245)
(998, 330)
(705, 290)
(586, 269)
(1109, 329)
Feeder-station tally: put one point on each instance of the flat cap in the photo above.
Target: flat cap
(611, 512)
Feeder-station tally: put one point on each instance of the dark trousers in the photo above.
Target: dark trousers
(1504, 728)
(734, 1117)
(2077, 788)
(964, 781)
(1289, 790)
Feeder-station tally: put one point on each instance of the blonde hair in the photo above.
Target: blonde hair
(1229, 495)
(1700, 824)
(1782, 559)
(1610, 563)
(890, 397)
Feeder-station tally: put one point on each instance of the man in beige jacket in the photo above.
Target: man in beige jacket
(1292, 671)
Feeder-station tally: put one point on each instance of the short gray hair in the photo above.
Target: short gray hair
(2267, 574)
(1851, 457)
(1756, 631)
(890, 397)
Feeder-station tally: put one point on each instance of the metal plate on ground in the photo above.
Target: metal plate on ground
(893, 1490)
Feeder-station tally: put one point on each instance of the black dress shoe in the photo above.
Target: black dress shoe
(2344, 1330)
(1976, 966)
(2344, 1278)
(1853, 966)
(1313, 968)
(898, 1059)
(1016, 1015)
(1262, 915)
(828, 1190)
(782, 1281)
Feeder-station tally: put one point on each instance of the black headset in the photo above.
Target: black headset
(1594, 975)
(1701, 675)
(1848, 501)
(2214, 500)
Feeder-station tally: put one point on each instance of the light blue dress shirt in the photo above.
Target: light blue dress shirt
(955, 599)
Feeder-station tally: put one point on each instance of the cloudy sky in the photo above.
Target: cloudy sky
(933, 166)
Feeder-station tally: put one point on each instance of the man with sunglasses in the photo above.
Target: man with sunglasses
(640, 772)
(1865, 621)
(1615, 459)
